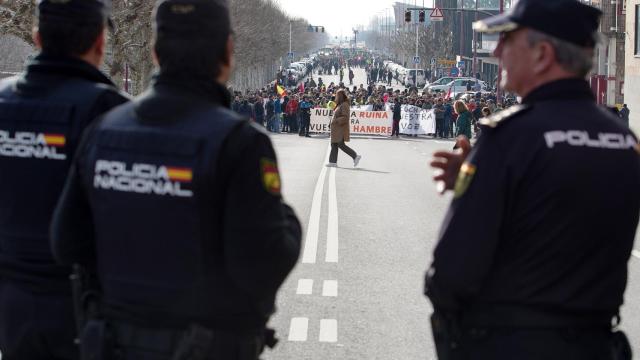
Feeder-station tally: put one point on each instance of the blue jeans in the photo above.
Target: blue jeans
(276, 122)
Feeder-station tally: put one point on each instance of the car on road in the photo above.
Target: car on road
(441, 81)
(456, 86)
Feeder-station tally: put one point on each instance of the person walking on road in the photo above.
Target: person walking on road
(351, 76)
(44, 112)
(175, 202)
(340, 130)
(532, 257)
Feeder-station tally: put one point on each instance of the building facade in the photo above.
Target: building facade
(631, 89)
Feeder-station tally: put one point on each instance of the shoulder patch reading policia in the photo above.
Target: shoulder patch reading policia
(270, 176)
(465, 176)
(501, 117)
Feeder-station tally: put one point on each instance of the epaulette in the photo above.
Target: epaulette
(501, 117)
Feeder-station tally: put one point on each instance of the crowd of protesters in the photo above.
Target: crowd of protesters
(281, 107)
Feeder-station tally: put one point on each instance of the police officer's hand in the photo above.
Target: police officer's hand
(447, 164)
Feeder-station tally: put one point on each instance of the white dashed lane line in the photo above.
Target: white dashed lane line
(328, 330)
(332, 227)
(298, 329)
(305, 287)
(311, 239)
(330, 288)
(636, 253)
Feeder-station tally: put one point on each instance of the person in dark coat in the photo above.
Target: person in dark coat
(270, 109)
(624, 114)
(463, 123)
(439, 112)
(397, 116)
(258, 108)
(532, 258)
(246, 110)
(44, 111)
(174, 202)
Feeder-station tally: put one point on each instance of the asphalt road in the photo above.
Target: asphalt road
(357, 290)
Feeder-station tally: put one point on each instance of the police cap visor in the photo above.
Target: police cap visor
(568, 20)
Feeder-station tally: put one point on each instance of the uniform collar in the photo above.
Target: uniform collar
(47, 66)
(65, 66)
(566, 89)
(171, 97)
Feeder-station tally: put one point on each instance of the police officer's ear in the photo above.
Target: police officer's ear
(543, 57)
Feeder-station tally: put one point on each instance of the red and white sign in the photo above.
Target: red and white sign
(436, 15)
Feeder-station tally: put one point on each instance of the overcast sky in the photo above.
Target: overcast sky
(340, 16)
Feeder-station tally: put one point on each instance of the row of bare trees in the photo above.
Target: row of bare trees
(435, 41)
(261, 34)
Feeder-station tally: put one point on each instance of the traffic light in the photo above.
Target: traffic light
(421, 16)
(407, 16)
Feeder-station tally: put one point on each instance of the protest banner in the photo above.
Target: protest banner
(363, 122)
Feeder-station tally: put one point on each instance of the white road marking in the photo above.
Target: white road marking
(311, 239)
(332, 228)
(330, 288)
(328, 330)
(305, 287)
(636, 253)
(298, 329)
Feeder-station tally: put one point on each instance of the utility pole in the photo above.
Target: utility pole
(499, 80)
(475, 46)
(290, 36)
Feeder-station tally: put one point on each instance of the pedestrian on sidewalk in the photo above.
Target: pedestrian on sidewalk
(340, 130)
(624, 114)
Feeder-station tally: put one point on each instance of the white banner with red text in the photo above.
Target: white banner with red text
(363, 122)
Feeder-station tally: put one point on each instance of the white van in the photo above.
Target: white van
(410, 74)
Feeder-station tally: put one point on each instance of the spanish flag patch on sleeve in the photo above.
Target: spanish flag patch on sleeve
(270, 176)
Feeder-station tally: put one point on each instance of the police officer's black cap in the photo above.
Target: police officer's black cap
(569, 20)
(74, 11)
(192, 19)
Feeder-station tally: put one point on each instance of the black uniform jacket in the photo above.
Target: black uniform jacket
(545, 209)
(42, 115)
(249, 238)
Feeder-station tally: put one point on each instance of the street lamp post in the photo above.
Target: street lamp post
(499, 79)
(475, 45)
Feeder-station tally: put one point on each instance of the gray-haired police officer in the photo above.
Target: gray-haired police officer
(175, 201)
(532, 257)
(42, 115)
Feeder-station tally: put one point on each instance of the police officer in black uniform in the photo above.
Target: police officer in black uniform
(174, 200)
(42, 115)
(532, 257)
